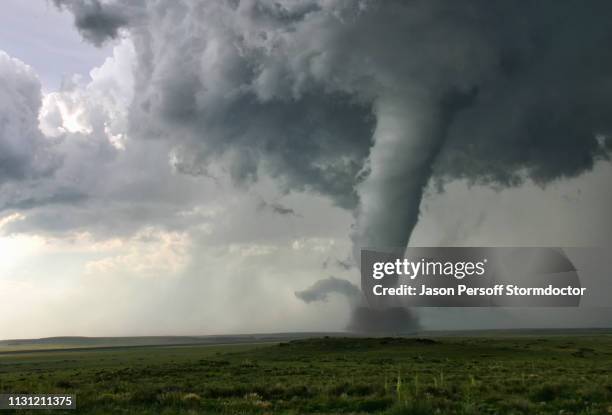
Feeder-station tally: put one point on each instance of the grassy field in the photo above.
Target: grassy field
(447, 375)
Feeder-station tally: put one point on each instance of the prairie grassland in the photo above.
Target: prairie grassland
(449, 375)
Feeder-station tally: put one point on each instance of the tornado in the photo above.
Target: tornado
(366, 102)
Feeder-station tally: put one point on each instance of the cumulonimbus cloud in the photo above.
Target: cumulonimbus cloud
(367, 101)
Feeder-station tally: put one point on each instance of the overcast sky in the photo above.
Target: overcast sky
(184, 167)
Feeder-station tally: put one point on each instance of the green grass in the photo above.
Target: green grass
(476, 375)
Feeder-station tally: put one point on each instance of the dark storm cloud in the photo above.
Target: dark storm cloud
(320, 145)
(96, 21)
(367, 101)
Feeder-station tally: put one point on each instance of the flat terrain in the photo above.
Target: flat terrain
(490, 374)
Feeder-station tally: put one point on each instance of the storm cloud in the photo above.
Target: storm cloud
(367, 101)
(98, 21)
